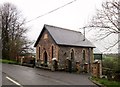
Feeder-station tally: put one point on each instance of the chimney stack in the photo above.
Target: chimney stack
(84, 33)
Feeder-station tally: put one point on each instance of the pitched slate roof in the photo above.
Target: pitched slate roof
(66, 37)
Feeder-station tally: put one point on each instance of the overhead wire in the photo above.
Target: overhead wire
(51, 11)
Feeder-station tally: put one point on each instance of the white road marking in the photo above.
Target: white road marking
(14, 81)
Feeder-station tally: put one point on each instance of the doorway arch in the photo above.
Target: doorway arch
(45, 58)
(55, 65)
(68, 65)
(71, 61)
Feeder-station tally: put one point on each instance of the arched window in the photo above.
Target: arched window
(72, 54)
(39, 53)
(52, 52)
(83, 55)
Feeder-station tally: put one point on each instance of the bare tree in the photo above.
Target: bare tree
(107, 21)
(13, 31)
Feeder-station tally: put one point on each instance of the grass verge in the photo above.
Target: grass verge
(105, 82)
(8, 61)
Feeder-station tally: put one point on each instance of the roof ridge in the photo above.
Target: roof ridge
(62, 28)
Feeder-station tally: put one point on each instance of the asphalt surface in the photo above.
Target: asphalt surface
(35, 76)
(5, 81)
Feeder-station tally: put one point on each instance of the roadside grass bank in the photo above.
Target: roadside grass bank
(104, 82)
(8, 61)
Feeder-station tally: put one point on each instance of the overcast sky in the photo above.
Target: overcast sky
(72, 16)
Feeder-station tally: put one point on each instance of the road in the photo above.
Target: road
(6, 81)
(22, 75)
